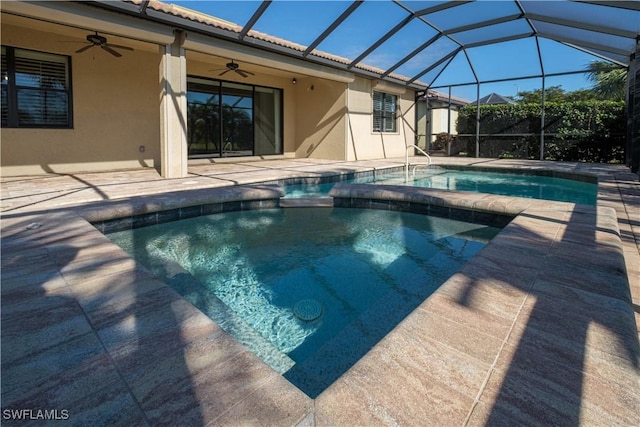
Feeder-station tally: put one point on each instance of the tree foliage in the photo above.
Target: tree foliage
(554, 94)
(610, 81)
(609, 84)
(589, 131)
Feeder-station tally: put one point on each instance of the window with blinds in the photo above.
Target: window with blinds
(384, 112)
(36, 89)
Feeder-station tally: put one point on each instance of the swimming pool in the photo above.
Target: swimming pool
(479, 181)
(309, 290)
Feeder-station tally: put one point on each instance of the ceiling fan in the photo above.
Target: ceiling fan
(101, 41)
(232, 66)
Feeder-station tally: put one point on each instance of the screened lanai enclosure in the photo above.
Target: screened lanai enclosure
(456, 53)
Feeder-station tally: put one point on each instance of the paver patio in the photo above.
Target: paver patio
(538, 328)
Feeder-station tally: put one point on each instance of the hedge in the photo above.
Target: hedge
(585, 131)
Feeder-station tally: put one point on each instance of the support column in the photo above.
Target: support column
(173, 109)
(477, 120)
(542, 110)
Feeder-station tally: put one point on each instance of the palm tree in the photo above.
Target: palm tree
(610, 81)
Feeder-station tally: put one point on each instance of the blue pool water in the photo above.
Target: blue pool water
(309, 290)
(508, 184)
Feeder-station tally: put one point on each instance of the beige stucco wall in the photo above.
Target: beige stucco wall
(422, 126)
(362, 142)
(115, 111)
(319, 118)
(407, 126)
(440, 116)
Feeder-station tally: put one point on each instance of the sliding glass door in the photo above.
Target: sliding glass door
(268, 121)
(231, 119)
(237, 120)
(203, 118)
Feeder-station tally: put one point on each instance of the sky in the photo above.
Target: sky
(301, 21)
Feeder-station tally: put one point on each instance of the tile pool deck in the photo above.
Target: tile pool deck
(538, 329)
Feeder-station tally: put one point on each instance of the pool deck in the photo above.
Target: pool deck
(540, 328)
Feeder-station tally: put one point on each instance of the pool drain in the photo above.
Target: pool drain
(307, 309)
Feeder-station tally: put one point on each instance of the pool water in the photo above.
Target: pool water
(309, 290)
(507, 184)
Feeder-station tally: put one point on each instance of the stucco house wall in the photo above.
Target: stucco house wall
(115, 110)
(362, 142)
(444, 120)
(119, 116)
(320, 122)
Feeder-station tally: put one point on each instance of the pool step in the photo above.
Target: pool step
(306, 202)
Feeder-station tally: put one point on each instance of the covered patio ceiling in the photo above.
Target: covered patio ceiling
(421, 43)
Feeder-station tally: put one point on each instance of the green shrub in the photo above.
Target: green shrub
(585, 131)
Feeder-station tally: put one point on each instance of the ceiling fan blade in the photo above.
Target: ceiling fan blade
(248, 72)
(242, 73)
(224, 72)
(117, 46)
(111, 51)
(82, 49)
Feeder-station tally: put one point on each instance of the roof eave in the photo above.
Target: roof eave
(251, 40)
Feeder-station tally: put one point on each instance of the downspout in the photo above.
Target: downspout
(347, 128)
(449, 124)
(416, 118)
(428, 117)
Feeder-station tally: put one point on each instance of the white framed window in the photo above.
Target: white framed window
(384, 112)
(36, 89)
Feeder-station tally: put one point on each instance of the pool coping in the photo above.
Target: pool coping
(531, 266)
(464, 383)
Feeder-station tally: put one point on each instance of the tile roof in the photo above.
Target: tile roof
(494, 98)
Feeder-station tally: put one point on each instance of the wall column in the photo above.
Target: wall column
(173, 109)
